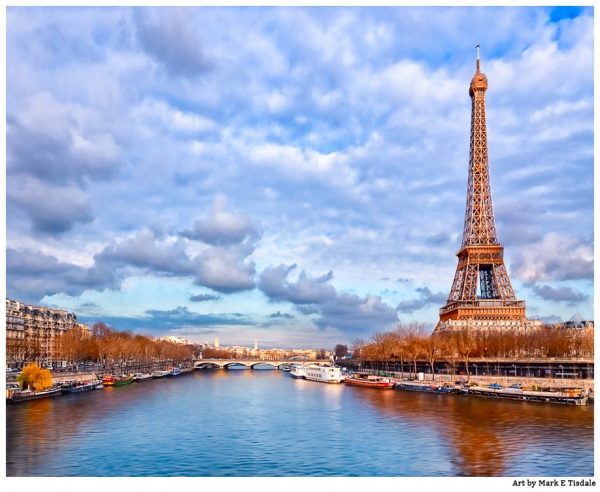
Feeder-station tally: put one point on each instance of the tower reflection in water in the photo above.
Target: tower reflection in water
(488, 437)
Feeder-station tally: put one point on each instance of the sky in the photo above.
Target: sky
(294, 175)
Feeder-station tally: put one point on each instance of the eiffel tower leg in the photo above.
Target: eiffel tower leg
(503, 282)
(471, 281)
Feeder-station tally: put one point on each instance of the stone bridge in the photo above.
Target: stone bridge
(225, 363)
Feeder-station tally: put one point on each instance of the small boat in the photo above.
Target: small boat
(175, 371)
(160, 374)
(14, 395)
(324, 374)
(99, 386)
(298, 372)
(287, 368)
(426, 387)
(79, 386)
(138, 376)
(116, 380)
(369, 381)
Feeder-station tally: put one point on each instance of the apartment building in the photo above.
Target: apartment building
(33, 333)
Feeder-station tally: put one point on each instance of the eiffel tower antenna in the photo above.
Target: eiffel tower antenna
(481, 296)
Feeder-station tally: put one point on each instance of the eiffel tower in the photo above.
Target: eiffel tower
(481, 297)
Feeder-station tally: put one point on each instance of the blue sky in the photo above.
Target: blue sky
(297, 175)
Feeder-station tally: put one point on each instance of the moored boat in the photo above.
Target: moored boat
(369, 381)
(298, 372)
(160, 374)
(175, 371)
(138, 376)
(426, 387)
(14, 395)
(324, 374)
(79, 386)
(116, 380)
(565, 396)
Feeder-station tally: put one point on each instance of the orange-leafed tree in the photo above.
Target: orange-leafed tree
(35, 378)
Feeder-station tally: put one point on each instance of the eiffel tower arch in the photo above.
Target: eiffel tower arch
(481, 297)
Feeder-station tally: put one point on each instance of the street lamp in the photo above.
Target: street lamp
(562, 372)
(475, 369)
(515, 369)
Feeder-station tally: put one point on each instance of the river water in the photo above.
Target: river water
(265, 423)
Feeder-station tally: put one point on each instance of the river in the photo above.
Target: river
(265, 423)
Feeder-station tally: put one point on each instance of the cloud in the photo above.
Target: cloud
(53, 209)
(54, 150)
(145, 250)
(204, 297)
(59, 142)
(555, 257)
(315, 296)
(32, 275)
(426, 298)
(224, 269)
(221, 227)
(439, 238)
(160, 321)
(306, 290)
(172, 39)
(158, 113)
(350, 313)
(560, 294)
(279, 314)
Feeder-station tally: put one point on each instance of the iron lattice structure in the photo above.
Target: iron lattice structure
(481, 289)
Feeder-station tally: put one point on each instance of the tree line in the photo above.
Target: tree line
(105, 345)
(410, 343)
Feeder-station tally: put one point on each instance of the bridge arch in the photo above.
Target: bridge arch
(207, 365)
(250, 363)
(236, 363)
(274, 365)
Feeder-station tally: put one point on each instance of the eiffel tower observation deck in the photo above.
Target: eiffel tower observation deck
(481, 297)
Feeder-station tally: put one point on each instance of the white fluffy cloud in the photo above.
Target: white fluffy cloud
(555, 257)
(222, 227)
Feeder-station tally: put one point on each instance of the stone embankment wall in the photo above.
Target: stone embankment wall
(525, 381)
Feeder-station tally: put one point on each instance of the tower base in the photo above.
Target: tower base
(487, 326)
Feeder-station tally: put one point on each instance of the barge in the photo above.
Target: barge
(426, 387)
(14, 395)
(564, 396)
(369, 381)
(79, 386)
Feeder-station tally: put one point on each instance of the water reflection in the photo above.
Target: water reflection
(490, 438)
(262, 423)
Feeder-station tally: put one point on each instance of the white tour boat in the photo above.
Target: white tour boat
(324, 374)
(298, 372)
